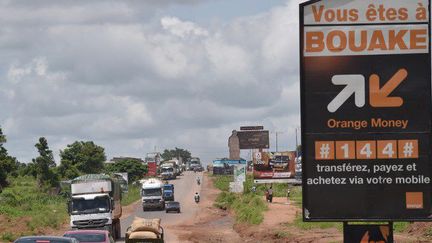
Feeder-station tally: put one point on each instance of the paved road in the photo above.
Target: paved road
(185, 188)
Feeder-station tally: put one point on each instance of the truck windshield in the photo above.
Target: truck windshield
(152, 192)
(169, 169)
(96, 205)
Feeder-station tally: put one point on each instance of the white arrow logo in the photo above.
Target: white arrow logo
(355, 84)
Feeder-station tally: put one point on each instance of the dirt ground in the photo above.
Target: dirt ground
(216, 225)
(213, 225)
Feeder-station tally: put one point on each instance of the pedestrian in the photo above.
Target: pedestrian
(267, 195)
(270, 194)
(253, 189)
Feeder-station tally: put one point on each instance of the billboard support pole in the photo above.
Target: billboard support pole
(368, 232)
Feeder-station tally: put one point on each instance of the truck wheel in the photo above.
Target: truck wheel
(118, 229)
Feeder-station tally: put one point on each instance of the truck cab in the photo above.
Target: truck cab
(94, 208)
(151, 192)
(95, 203)
(167, 172)
(168, 192)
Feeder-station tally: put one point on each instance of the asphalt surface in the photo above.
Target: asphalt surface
(185, 187)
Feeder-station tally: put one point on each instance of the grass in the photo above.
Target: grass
(133, 195)
(298, 222)
(248, 207)
(23, 199)
(222, 182)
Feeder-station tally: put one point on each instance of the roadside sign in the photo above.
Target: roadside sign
(274, 167)
(253, 139)
(359, 233)
(251, 128)
(366, 110)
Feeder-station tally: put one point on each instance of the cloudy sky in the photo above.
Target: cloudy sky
(134, 76)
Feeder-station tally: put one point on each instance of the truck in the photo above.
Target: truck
(151, 192)
(168, 171)
(168, 192)
(95, 203)
(194, 164)
(152, 160)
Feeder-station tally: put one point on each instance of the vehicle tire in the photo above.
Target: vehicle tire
(143, 209)
(118, 229)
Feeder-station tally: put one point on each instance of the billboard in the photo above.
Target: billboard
(251, 128)
(226, 166)
(274, 167)
(366, 110)
(358, 233)
(253, 139)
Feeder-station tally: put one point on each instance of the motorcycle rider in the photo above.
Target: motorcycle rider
(197, 197)
(198, 180)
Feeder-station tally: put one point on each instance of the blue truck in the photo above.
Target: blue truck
(168, 192)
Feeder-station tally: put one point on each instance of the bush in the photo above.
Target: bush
(24, 199)
(133, 195)
(221, 182)
(248, 207)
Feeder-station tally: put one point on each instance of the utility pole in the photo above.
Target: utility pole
(277, 133)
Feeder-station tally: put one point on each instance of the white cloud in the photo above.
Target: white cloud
(182, 29)
(132, 78)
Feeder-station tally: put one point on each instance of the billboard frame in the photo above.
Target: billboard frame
(303, 123)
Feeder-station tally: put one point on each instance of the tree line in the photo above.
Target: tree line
(80, 157)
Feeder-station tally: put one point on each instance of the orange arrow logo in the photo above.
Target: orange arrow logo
(380, 97)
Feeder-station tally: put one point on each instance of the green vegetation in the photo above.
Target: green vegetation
(44, 165)
(282, 234)
(24, 199)
(298, 222)
(176, 153)
(81, 158)
(222, 182)
(134, 169)
(248, 207)
(132, 196)
(400, 227)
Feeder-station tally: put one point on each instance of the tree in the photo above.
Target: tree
(8, 164)
(135, 169)
(44, 164)
(176, 153)
(81, 158)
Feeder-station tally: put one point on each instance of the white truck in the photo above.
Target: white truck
(168, 171)
(95, 203)
(152, 194)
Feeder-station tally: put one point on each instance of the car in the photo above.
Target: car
(86, 236)
(172, 206)
(46, 239)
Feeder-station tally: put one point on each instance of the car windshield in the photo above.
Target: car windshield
(152, 192)
(168, 187)
(173, 204)
(96, 205)
(88, 237)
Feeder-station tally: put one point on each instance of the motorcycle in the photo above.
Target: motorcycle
(197, 198)
(198, 181)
